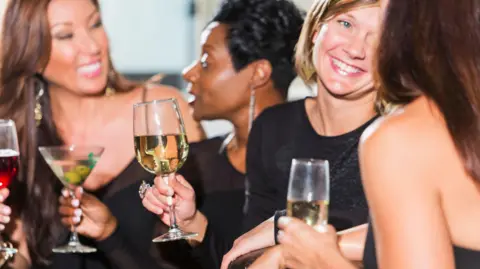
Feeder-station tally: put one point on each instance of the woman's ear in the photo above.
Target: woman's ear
(262, 73)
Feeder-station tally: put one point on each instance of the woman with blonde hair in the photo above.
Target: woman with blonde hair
(421, 162)
(335, 51)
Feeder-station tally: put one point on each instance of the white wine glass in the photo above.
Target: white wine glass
(9, 165)
(309, 192)
(161, 148)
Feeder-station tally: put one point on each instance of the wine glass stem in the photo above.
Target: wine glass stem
(173, 219)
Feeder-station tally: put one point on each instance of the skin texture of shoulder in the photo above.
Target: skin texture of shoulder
(400, 156)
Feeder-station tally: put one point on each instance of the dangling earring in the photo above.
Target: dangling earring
(251, 108)
(109, 91)
(38, 105)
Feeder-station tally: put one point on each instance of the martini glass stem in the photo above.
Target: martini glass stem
(73, 241)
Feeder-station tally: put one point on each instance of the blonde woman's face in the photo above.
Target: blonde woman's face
(343, 52)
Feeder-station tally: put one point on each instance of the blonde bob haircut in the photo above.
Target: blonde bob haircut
(320, 12)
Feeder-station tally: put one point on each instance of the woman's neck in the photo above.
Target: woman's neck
(332, 116)
(265, 98)
(75, 115)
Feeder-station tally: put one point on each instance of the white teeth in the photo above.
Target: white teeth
(89, 68)
(345, 69)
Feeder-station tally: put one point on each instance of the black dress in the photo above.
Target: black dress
(220, 191)
(130, 246)
(464, 258)
(284, 132)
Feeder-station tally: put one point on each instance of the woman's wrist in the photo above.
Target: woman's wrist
(197, 224)
(110, 228)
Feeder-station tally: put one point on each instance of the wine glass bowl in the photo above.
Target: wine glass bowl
(308, 191)
(72, 165)
(161, 148)
(9, 166)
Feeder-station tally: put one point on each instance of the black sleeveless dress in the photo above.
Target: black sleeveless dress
(464, 258)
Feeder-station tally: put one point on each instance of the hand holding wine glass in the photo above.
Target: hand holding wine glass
(9, 165)
(156, 200)
(161, 147)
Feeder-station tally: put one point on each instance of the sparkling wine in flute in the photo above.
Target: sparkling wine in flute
(162, 154)
(8, 166)
(309, 192)
(312, 213)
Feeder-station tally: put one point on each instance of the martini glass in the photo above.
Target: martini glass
(72, 165)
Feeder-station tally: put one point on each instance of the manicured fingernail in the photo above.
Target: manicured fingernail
(170, 192)
(75, 202)
(2, 227)
(284, 221)
(280, 235)
(6, 210)
(77, 212)
(1, 198)
(169, 200)
(81, 190)
(76, 219)
(65, 193)
(6, 219)
(159, 211)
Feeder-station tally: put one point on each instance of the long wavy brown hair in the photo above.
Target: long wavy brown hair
(26, 47)
(431, 48)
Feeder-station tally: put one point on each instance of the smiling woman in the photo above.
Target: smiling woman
(335, 51)
(56, 72)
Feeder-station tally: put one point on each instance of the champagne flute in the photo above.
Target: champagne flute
(72, 165)
(161, 148)
(308, 192)
(9, 165)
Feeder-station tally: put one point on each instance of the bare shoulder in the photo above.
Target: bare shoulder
(414, 135)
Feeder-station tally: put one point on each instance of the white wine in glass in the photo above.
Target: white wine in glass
(308, 191)
(161, 147)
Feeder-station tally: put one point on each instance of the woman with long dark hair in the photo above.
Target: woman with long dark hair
(59, 85)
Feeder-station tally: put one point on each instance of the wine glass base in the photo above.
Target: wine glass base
(173, 235)
(74, 248)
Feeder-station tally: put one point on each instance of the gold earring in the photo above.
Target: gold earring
(38, 106)
(109, 91)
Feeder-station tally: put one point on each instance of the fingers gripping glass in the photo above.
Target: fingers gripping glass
(72, 166)
(161, 148)
(9, 165)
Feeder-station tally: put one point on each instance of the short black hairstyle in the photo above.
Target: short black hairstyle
(263, 29)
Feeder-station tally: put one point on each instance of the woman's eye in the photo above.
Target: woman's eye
(345, 24)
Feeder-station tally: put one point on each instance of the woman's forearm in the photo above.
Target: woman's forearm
(352, 242)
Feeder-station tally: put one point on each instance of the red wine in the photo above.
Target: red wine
(8, 166)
